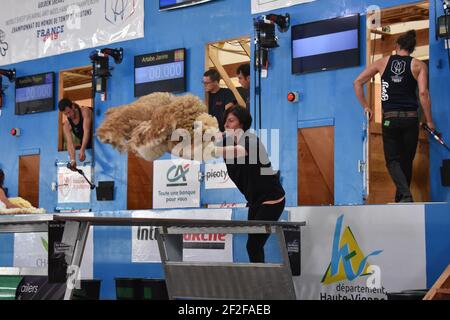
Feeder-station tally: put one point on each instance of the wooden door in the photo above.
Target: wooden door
(29, 179)
(76, 85)
(316, 166)
(140, 183)
(381, 186)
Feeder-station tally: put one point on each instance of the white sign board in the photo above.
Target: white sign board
(360, 252)
(72, 187)
(176, 184)
(31, 251)
(31, 29)
(259, 6)
(196, 247)
(216, 176)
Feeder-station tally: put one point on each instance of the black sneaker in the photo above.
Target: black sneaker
(406, 199)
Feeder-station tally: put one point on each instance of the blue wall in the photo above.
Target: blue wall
(437, 225)
(440, 95)
(326, 95)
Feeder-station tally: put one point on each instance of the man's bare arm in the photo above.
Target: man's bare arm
(67, 130)
(6, 201)
(87, 125)
(361, 80)
(424, 94)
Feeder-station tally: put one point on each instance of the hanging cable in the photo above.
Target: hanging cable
(265, 39)
(436, 24)
(256, 67)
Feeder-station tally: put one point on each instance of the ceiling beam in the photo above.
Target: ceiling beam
(387, 43)
(214, 57)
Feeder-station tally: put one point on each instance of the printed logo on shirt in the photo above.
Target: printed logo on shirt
(384, 94)
(398, 68)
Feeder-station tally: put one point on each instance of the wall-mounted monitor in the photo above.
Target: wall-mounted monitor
(174, 4)
(35, 93)
(325, 45)
(160, 72)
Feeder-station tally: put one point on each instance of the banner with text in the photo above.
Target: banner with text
(31, 251)
(360, 252)
(216, 176)
(196, 247)
(72, 187)
(176, 184)
(259, 6)
(31, 29)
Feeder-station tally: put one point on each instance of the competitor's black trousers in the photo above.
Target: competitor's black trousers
(400, 138)
(256, 242)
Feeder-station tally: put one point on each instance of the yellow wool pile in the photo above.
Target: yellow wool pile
(21, 202)
(25, 207)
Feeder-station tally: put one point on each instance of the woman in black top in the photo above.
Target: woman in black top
(250, 169)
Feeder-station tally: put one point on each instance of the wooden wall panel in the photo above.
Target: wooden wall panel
(316, 166)
(29, 179)
(382, 189)
(140, 183)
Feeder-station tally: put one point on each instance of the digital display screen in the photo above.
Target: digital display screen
(325, 45)
(43, 91)
(160, 72)
(173, 4)
(35, 93)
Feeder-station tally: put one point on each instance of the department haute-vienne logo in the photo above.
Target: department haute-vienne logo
(348, 261)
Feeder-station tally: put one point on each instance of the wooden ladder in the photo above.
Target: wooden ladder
(441, 288)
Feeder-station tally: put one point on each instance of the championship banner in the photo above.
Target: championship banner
(196, 247)
(259, 6)
(176, 184)
(72, 187)
(31, 251)
(31, 29)
(360, 252)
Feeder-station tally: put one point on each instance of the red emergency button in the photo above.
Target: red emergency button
(15, 132)
(292, 96)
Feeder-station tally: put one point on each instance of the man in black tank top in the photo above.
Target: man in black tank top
(401, 76)
(79, 122)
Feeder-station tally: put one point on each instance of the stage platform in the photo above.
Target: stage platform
(347, 252)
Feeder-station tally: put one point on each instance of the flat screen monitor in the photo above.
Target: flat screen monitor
(160, 72)
(325, 45)
(174, 4)
(35, 93)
